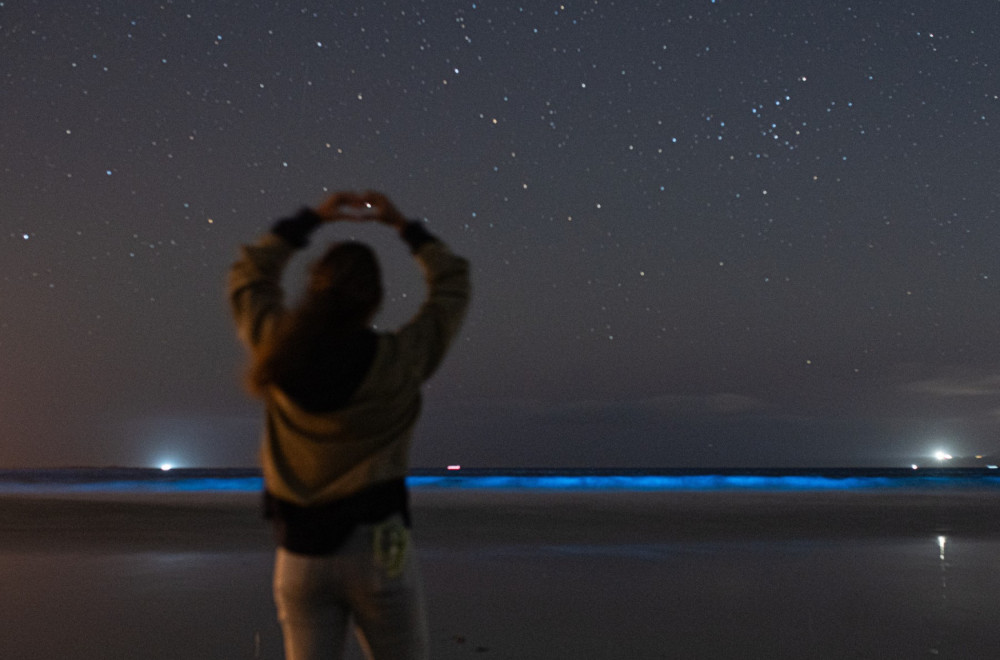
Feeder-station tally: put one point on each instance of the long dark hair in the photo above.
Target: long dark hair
(342, 296)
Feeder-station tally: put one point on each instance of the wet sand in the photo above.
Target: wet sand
(856, 574)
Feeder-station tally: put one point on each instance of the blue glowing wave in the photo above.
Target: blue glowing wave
(713, 482)
(139, 480)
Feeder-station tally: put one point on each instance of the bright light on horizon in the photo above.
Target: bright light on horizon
(942, 455)
(166, 466)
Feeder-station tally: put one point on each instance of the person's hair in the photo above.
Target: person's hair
(343, 293)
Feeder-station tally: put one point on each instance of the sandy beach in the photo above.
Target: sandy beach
(515, 574)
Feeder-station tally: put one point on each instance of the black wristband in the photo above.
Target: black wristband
(415, 235)
(296, 229)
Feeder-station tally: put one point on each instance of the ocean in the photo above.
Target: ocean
(136, 479)
(566, 564)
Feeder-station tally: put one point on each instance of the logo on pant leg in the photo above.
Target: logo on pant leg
(391, 542)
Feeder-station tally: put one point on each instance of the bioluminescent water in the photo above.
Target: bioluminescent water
(84, 480)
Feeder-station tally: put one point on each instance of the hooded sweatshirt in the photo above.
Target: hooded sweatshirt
(316, 459)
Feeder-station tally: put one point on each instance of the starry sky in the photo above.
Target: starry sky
(703, 233)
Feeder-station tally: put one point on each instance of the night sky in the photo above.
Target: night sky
(703, 233)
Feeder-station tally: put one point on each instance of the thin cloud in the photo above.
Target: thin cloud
(725, 403)
(958, 385)
(670, 405)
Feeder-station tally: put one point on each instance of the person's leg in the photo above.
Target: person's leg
(312, 616)
(387, 595)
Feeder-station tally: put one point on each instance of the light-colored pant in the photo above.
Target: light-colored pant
(373, 579)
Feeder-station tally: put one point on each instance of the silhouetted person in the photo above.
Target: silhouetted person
(341, 403)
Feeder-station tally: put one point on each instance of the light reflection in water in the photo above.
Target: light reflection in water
(942, 542)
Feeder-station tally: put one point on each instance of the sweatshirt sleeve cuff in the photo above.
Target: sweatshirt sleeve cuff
(296, 229)
(416, 235)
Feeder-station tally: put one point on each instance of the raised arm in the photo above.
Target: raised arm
(425, 339)
(255, 293)
(436, 324)
(257, 298)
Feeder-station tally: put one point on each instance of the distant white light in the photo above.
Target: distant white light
(454, 467)
(942, 455)
(166, 466)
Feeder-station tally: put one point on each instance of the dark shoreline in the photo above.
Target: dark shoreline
(174, 521)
